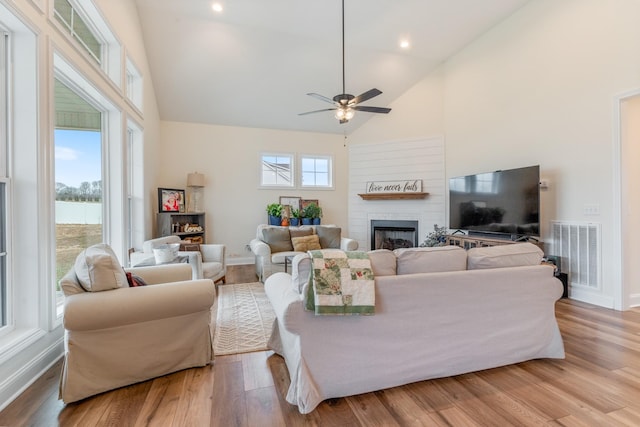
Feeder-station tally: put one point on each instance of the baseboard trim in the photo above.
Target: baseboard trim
(20, 380)
(241, 261)
(579, 294)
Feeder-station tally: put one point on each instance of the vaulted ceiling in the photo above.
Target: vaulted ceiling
(252, 64)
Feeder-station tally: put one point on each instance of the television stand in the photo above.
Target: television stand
(467, 242)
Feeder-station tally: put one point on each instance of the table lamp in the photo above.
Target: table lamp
(195, 192)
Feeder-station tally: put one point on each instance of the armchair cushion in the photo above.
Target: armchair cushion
(97, 269)
(278, 239)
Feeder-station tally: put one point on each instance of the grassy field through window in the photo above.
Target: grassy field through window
(71, 240)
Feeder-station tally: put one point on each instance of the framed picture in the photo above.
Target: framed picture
(306, 202)
(170, 200)
(293, 202)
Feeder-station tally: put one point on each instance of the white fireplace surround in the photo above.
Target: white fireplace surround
(421, 159)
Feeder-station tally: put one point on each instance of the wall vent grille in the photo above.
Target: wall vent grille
(578, 246)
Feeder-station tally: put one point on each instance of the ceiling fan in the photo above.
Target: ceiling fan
(345, 104)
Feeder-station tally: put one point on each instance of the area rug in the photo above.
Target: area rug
(244, 319)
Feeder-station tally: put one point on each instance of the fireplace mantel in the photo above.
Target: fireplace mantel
(393, 196)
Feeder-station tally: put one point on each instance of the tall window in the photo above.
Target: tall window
(277, 170)
(78, 176)
(68, 16)
(316, 171)
(4, 229)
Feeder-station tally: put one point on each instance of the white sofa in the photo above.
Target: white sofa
(207, 263)
(439, 312)
(270, 257)
(116, 335)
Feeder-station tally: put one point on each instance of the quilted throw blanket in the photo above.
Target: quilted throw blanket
(341, 283)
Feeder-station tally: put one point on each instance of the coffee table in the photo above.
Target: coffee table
(288, 260)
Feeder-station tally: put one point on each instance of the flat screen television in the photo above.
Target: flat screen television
(504, 203)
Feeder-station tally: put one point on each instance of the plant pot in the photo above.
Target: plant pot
(316, 221)
(274, 220)
(294, 222)
(306, 221)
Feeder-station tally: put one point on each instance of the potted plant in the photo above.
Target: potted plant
(295, 217)
(314, 212)
(304, 218)
(275, 213)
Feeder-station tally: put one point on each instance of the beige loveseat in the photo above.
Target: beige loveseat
(116, 335)
(438, 312)
(273, 244)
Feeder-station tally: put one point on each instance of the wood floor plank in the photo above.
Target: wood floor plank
(255, 370)
(229, 406)
(194, 407)
(466, 401)
(404, 409)
(263, 408)
(161, 403)
(370, 411)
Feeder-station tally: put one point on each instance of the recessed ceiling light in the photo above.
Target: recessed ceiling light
(404, 43)
(217, 7)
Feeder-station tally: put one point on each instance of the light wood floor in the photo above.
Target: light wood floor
(598, 384)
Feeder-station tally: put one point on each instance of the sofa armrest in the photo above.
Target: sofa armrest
(164, 273)
(347, 244)
(260, 248)
(124, 306)
(212, 253)
(286, 302)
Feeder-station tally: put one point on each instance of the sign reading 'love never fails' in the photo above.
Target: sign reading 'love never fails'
(408, 186)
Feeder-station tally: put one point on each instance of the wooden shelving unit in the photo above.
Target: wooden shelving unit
(166, 220)
(393, 196)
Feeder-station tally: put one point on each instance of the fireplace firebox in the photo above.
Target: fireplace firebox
(394, 234)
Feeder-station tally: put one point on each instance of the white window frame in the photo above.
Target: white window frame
(135, 186)
(133, 84)
(111, 48)
(292, 160)
(328, 157)
(5, 280)
(113, 161)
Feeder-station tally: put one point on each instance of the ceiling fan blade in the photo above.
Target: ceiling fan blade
(371, 109)
(316, 111)
(365, 96)
(321, 98)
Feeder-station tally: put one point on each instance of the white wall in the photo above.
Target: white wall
(536, 89)
(229, 158)
(630, 157)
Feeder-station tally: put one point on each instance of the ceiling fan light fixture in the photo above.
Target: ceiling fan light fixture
(344, 114)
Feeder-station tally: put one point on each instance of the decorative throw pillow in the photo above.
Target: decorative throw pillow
(383, 262)
(329, 236)
(98, 269)
(306, 243)
(510, 255)
(135, 281)
(430, 259)
(278, 239)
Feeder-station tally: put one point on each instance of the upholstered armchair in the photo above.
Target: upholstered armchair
(207, 263)
(117, 335)
(273, 244)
